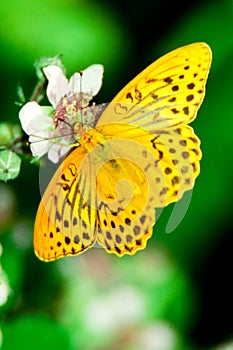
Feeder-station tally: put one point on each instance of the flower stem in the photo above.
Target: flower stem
(38, 93)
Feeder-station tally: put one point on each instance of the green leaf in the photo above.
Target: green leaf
(21, 96)
(9, 165)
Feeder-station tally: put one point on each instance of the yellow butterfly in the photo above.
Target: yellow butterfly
(140, 155)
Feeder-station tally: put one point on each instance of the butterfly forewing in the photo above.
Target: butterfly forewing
(172, 89)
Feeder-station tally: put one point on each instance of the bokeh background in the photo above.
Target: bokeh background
(176, 294)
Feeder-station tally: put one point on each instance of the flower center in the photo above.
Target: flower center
(73, 117)
(69, 108)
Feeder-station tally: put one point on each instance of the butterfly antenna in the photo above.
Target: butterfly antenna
(63, 121)
(81, 95)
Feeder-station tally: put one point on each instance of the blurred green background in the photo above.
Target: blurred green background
(176, 294)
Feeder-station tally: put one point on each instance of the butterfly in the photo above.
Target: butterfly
(140, 155)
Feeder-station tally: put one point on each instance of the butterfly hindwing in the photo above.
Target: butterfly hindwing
(126, 213)
(65, 223)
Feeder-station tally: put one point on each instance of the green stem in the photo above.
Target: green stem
(36, 95)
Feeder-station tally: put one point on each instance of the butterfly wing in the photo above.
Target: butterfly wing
(162, 100)
(94, 194)
(169, 160)
(135, 175)
(147, 123)
(124, 202)
(167, 93)
(66, 221)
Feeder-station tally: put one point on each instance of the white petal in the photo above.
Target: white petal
(38, 146)
(33, 119)
(91, 80)
(57, 84)
(56, 152)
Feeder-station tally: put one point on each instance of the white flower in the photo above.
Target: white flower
(46, 126)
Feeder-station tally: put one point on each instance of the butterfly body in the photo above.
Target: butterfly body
(140, 155)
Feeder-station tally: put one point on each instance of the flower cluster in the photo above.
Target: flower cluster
(51, 129)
